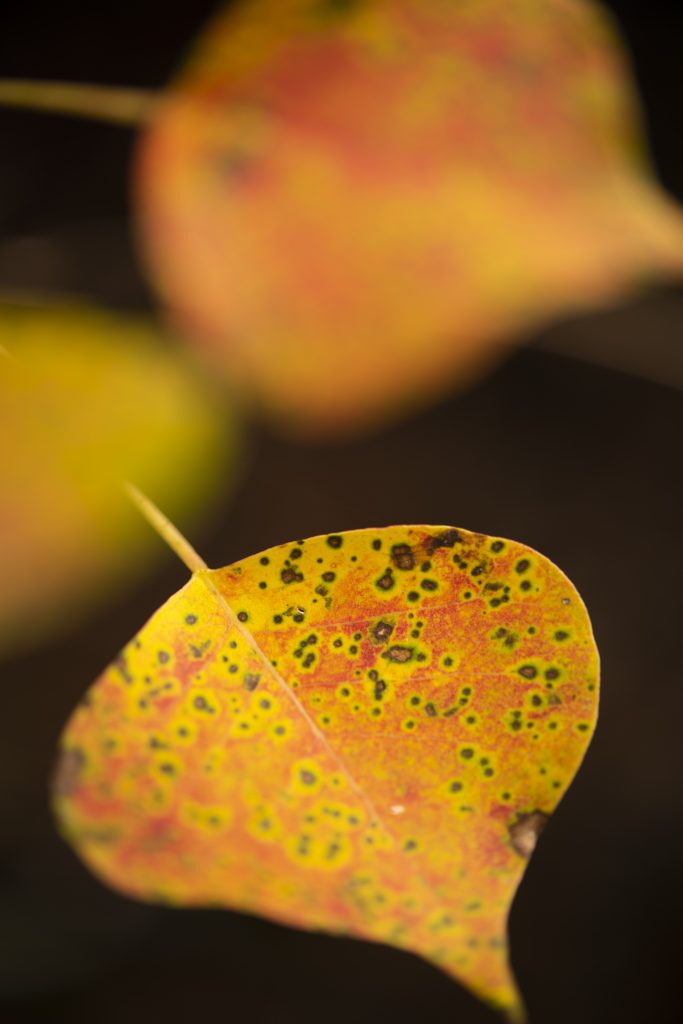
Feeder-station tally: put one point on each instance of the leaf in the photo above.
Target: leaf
(362, 733)
(88, 399)
(354, 207)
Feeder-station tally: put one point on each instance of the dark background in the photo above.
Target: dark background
(579, 461)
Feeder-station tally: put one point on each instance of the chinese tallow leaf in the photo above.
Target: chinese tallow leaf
(353, 206)
(88, 398)
(362, 733)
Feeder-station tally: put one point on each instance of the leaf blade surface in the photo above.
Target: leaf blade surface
(343, 748)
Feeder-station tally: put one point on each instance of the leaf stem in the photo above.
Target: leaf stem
(166, 530)
(101, 102)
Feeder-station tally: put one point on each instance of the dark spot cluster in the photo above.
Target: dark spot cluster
(448, 539)
(291, 575)
(507, 637)
(403, 557)
(379, 684)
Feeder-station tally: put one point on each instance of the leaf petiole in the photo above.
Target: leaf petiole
(166, 530)
(101, 102)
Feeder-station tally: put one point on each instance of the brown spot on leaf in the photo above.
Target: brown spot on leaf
(448, 539)
(386, 581)
(525, 832)
(68, 772)
(399, 653)
(381, 632)
(402, 556)
(290, 575)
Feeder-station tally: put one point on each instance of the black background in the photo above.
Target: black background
(580, 462)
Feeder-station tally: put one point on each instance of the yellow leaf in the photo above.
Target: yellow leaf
(362, 733)
(87, 400)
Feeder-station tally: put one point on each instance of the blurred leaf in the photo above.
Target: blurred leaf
(352, 206)
(87, 400)
(362, 733)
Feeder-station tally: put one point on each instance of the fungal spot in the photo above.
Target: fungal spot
(243, 616)
(523, 566)
(376, 545)
(386, 581)
(525, 585)
(551, 673)
(381, 632)
(164, 657)
(561, 634)
(291, 575)
(307, 777)
(335, 541)
(479, 569)
(197, 650)
(251, 681)
(402, 556)
(68, 772)
(263, 585)
(497, 546)
(380, 688)
(448, 539)
(329, 577)
(467, 753)
(525, 831)
(455, 786)
(190, 619)
(528, 671)
(295, 553)
(430, 710)
(264, 560)
(430, 585)
(582, 727)
(399, 654)
(413, 595)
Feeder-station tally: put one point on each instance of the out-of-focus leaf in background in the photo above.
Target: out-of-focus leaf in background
(89, 399)
(354, 206)
(362, 733)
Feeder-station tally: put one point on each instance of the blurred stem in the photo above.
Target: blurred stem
(101, 102)
(166, 530)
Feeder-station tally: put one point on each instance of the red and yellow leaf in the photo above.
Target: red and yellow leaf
(87, 399)
(362, 733)
(353, 206)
